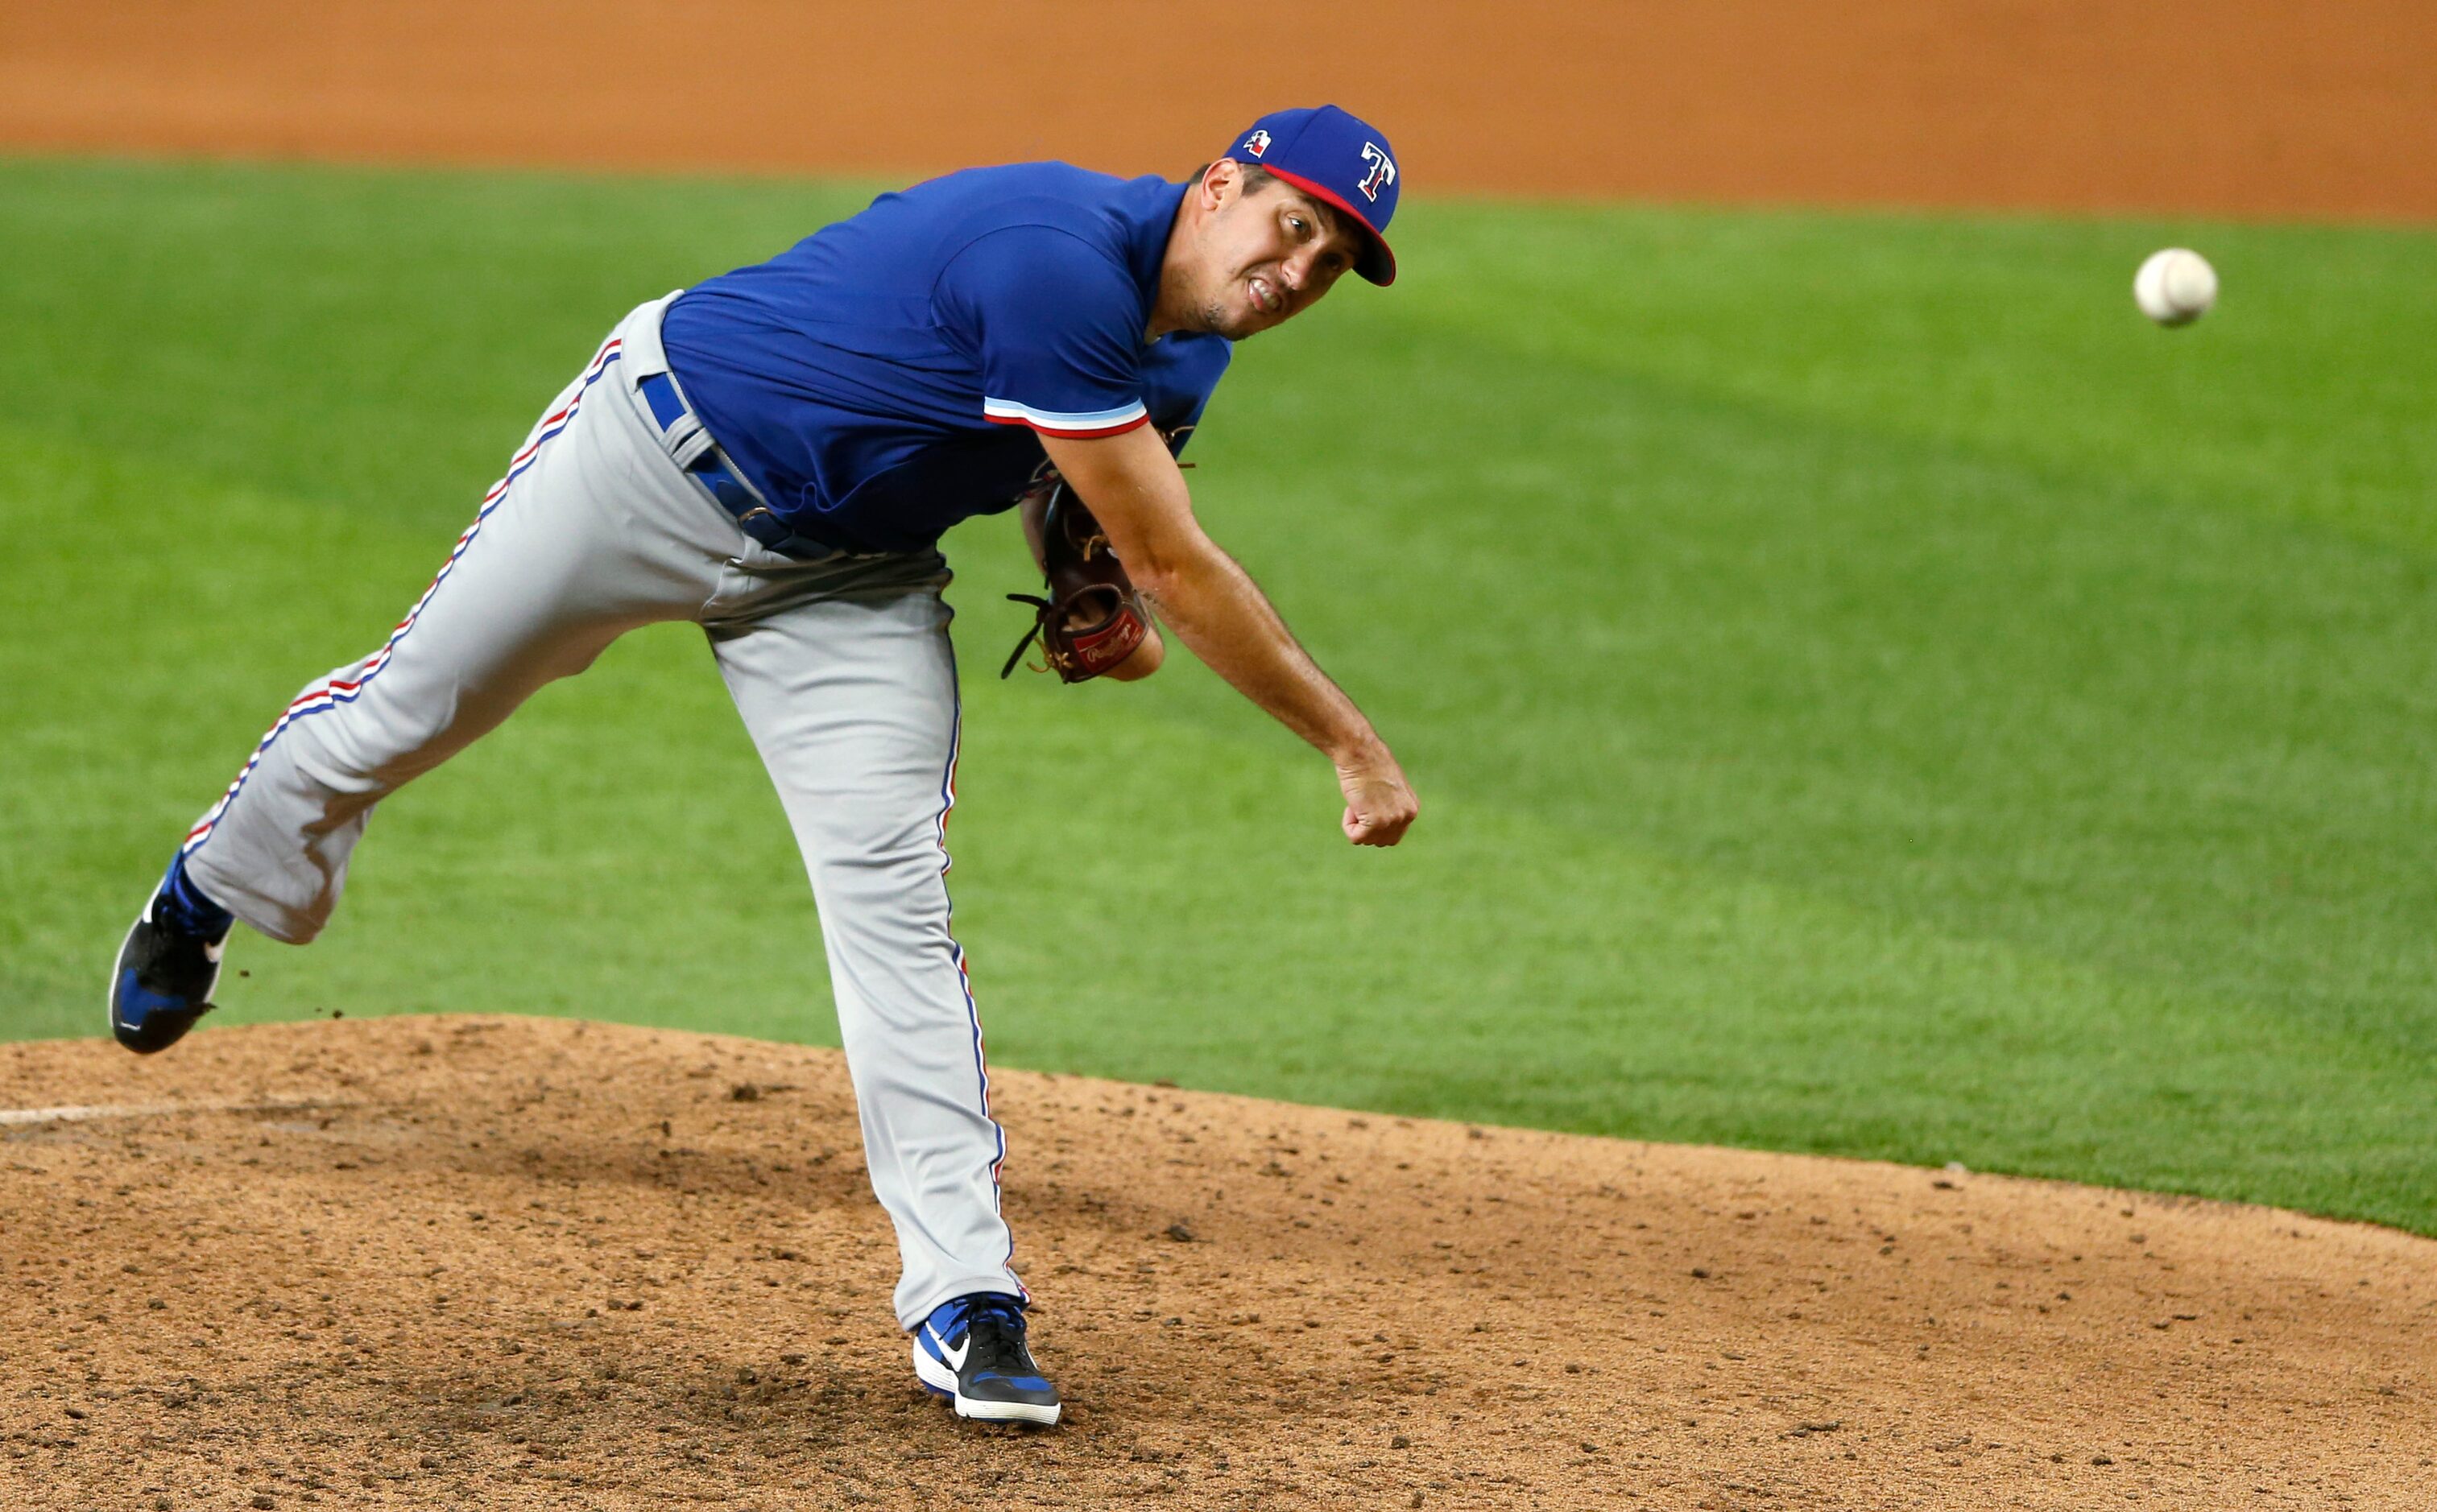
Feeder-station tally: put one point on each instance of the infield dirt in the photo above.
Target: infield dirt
(512, 1262)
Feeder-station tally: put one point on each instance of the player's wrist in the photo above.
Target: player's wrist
(1358, 749)
(1141, 661)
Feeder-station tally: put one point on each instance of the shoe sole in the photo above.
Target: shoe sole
(118, 972)
(941, 1381)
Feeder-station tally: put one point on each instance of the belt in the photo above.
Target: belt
(711, 468)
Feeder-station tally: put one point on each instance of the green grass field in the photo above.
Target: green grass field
(1870, 693)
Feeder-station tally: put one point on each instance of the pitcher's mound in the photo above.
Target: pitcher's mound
(522, 1262)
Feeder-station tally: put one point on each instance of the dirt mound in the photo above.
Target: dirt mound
(521, 1263)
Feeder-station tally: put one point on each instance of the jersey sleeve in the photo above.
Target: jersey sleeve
(1056, 327)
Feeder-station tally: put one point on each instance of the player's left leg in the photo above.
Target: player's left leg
(845, 677)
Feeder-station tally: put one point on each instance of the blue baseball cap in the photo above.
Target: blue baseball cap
(1336, 157)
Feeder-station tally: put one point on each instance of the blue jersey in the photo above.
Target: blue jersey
(887, 376)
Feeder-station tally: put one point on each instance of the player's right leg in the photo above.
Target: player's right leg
(590, 533)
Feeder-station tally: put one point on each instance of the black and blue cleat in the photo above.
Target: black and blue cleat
(972, 1351)
(166, 970)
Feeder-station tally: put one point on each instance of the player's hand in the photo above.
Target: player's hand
(1380, 803)
(1144, 660)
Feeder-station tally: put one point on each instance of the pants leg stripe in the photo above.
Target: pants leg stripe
(964, 980)
(346, 691)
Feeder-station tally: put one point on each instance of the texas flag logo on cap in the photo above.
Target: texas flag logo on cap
(1341, 160)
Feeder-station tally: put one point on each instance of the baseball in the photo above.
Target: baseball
(2175, 286)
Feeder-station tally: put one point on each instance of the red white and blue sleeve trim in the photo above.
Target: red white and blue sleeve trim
(1072, 424)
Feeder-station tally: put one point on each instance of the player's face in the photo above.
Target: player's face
(1273, 252)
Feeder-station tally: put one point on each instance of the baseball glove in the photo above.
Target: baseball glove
(1093, 618)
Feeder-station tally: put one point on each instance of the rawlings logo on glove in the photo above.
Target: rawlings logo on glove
(1092, 619)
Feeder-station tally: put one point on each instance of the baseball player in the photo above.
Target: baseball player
(774, 455)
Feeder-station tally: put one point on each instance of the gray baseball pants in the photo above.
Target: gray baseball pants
(843, 672)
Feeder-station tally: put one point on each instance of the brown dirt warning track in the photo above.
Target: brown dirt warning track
(509, 1263)
(2236, 106)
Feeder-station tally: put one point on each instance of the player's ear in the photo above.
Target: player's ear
(1222, 181)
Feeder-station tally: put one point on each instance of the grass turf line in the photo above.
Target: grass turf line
(1870, 693)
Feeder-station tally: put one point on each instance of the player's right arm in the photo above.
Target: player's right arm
(1134, 487)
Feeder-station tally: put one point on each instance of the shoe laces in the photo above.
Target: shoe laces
(995, 1329)
(169, 917)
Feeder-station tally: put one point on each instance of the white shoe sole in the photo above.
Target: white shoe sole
(110, 999)
(936, 1375)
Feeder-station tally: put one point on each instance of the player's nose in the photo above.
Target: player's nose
(1297, 270)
